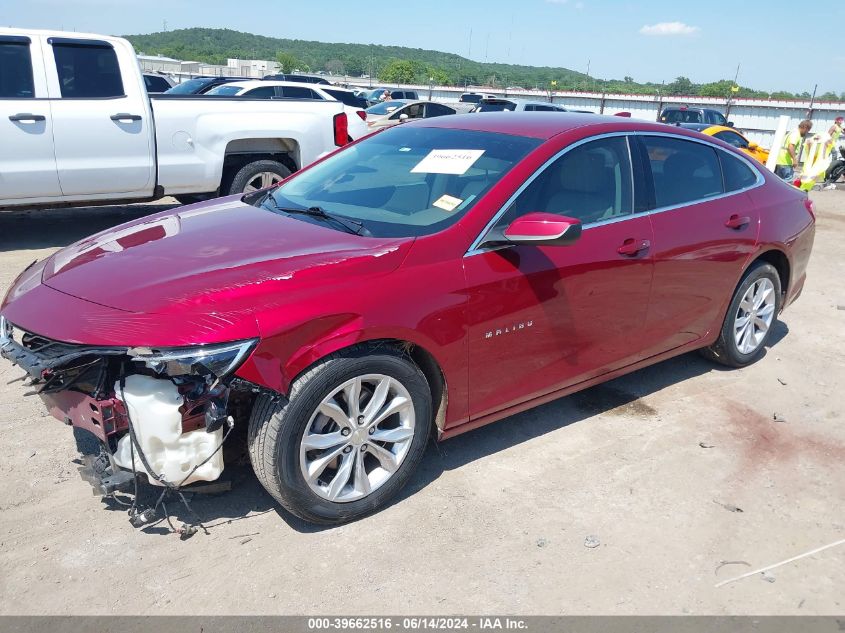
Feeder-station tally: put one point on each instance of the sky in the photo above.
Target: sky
(776, 45)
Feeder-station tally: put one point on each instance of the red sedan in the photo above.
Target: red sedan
(430, 278)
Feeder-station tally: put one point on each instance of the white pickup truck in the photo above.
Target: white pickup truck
(77, 127)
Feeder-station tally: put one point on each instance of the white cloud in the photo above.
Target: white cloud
(669, 28)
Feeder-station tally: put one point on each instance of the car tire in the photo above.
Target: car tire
(737, 345)
(281, 432)
(257, 175)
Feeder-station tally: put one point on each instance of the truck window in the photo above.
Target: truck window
(16, 70)
(87, 71)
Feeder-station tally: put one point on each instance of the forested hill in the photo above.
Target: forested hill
(398, 64)
(214, 46)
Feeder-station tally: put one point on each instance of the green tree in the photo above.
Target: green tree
(335, 67)
(720, 88)
(681, 86)
(438, 77)
(400, 71)
(287, 61)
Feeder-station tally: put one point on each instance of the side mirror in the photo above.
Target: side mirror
(730, 123)
(403, 117)
(543, 229)
(752, 145)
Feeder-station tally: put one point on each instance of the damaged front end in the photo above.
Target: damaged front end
(160, 412)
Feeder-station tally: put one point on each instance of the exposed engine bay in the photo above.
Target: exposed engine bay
(160, 415)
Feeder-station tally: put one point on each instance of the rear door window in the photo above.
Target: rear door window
(87, 71)
(683, 171)
(16, 69)
(297, 92)
(264, 92)
(437, 109)
(736, 173)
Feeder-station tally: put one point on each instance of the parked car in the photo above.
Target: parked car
(388, 113)
(498, 104)
(686, 114)
(731, 137)
(267, 89)
(296, 77)
(201, 85)
(567, 250)
(155, 82)
(100, 138)
(475, 97)
(374, 96)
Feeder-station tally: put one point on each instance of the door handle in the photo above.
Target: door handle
(123, 116)
(736, 222)
(26, 116)
(631, 247)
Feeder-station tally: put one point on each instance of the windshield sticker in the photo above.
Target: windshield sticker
(448, 161)
(447, 202)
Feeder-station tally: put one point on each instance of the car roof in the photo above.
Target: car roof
(550, 124)
(258, 83)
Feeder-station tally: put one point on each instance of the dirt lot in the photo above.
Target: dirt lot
(655, 466)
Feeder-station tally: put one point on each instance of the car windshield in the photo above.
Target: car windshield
(224, 90)
(189, 87)
(406, 181)
(385, 107)
(495, 106)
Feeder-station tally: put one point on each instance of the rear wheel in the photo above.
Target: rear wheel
(347, 440)
(750, 319)
(256, 175)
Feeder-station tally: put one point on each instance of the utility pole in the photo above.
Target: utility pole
(164, 24)
(487, 47)
(812, 101)
(734, 86)
(469, 51)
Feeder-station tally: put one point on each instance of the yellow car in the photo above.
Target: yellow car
(731, 137)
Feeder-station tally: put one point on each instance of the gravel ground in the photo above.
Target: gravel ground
(634, 497)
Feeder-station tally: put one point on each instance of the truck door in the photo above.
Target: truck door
(102, 124)
(27, 162)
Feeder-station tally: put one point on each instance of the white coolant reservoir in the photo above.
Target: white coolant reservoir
(153, 406)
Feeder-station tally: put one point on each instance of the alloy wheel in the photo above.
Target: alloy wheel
(262, 180)
(754, 316)
(357, 438)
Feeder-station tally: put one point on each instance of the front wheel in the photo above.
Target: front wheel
(751, 315)
(350, 436)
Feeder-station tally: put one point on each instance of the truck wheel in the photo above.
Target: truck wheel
(348, 438)
(256, 175)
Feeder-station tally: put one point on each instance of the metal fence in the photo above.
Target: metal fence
(757, 118)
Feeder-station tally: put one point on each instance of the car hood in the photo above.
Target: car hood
(212, 257)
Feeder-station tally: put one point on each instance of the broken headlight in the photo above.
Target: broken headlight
(203, 360)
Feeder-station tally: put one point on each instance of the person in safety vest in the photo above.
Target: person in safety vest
(835, 132)
(789, 152)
